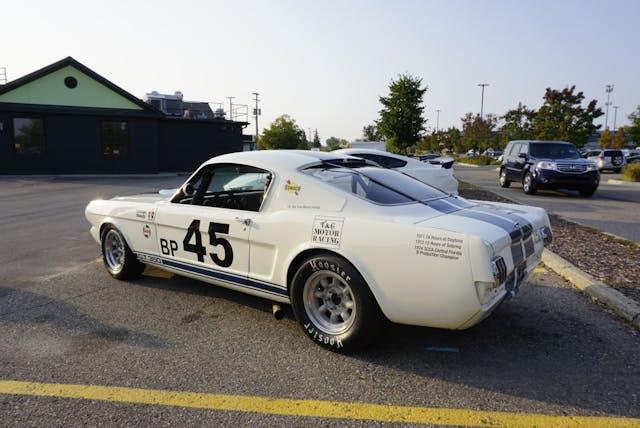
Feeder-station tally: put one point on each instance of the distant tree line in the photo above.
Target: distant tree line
(402, 126)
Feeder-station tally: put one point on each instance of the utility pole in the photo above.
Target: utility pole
(437, 119)
(482, 100)
(615, 116)
(608, 89)
(230, 107)
(256, 113)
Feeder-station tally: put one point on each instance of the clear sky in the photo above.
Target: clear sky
(325, 63)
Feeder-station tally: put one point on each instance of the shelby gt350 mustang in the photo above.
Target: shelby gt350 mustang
(345, 242)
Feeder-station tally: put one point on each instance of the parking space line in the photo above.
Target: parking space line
(309, 408)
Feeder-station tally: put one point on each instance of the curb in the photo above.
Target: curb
(623, 183)
(620, 304)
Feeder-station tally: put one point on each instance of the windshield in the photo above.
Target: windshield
(378, 185)
(554, 151)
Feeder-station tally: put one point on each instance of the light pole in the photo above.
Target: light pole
(230, 107)
(437, 120)
(482, 99)
(615, 116)
(608, 89)
(256, 113)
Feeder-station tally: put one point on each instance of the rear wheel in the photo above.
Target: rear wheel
(503, 178)
(528, 185)
(117, 257)
(334, 305)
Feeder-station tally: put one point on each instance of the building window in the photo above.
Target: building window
(115, 138)
(28, 136)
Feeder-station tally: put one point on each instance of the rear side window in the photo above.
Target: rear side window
(378, 185)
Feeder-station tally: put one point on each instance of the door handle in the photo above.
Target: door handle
(245, 221)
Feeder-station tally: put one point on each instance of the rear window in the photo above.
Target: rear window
(612, 153)
(385, 161)
(381, 186)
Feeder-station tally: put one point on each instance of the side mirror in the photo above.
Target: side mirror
(523, 156)
(188, 189)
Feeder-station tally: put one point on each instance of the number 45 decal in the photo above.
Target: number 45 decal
(201, 251)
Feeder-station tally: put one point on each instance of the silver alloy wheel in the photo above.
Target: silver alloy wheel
(503, 177)
(114, 250)
(329, 302)
(527, 183)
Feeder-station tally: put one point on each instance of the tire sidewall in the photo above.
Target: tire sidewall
(529, 189)
(131, 267)
(367, 319)
(504, 182)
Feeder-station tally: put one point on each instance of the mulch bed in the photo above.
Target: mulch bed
(613, 261)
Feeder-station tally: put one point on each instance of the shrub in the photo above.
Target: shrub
(632, 172)
(477, 160)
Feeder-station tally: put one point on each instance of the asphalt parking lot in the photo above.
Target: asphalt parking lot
(80, 348)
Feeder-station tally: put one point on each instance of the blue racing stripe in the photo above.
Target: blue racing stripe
(226, 277)
(519, 229)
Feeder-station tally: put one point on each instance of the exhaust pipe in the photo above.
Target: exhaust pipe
(277, 311)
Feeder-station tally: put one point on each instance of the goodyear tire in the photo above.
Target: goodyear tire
(334, 305)
(117, 257)
(528, 186)
(504, 182)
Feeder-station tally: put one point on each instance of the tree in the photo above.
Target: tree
(316, 140)
(453, 139)
(370, 133)
(479, 134)
(333, 143)
(284, 133)
(562, 117)
(606, 139)
(619, 140)
(519, 124)
(634, 129)
(401, 123)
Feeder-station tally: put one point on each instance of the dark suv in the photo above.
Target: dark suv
(548, 165)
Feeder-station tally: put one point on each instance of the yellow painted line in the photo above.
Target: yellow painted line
(311, 408)
(540, 270)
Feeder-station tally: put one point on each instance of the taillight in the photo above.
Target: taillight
(601, 157)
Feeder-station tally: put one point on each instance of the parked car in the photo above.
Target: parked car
(548, 165)
(607, 159)
(347, 243)
(433, 175)
(633, 159)
(436, 159)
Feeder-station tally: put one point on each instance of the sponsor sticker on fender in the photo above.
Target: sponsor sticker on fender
(292, 187)
(146, 231)
(327, 231)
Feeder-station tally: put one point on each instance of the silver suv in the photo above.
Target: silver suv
(607, 159)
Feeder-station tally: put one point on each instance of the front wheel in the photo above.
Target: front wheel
(587, 192)
(504, 182)
(527, 184)
(334, 305)
(117, 257)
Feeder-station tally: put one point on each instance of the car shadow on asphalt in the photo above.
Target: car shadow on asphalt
(532, 347)
(22, 307)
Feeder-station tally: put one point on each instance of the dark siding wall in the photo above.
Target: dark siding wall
(185, 144)
(73, 145)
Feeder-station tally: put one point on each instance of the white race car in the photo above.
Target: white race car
(345, 242)
(434, 175)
